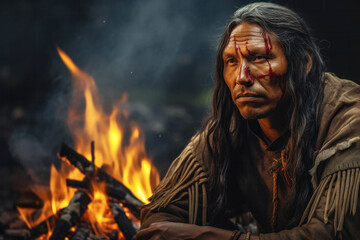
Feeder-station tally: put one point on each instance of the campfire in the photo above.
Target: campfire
(104, 178)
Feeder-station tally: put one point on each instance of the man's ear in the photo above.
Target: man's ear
(309, 64)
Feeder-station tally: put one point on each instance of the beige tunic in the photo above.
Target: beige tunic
(333, 211)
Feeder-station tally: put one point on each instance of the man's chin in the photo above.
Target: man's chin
(253, 115)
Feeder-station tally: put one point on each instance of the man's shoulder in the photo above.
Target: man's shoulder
(339, 124)
(340, 107)
(337, 89)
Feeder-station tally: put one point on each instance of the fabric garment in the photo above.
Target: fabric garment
(334, 208)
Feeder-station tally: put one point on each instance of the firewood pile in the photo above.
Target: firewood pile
(71, 222)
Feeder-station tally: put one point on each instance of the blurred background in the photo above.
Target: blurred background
(160, 52)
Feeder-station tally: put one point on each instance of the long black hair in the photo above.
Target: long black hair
(225, 124)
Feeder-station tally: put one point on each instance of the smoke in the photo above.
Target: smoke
(32, 153)
(149, 41)
(154, 50)
(146, 47)
(161, 52)
(35, 144)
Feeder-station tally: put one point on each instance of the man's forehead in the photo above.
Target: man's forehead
(247, 36)
(247, 33)
(253, 42)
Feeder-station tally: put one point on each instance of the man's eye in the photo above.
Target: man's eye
(258, 58)
(230, 61)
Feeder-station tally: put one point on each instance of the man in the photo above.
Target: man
(282, 141)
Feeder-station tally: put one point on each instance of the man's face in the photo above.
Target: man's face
(254, 66)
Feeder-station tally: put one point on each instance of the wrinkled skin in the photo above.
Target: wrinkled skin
(254, 69)
(254, 64)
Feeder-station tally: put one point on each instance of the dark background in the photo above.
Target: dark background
(161, 52)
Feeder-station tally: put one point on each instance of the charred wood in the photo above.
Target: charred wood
(126, 200)
(81, 185)
(18, 229)
(115, 193)
(114, 235)
(5, 219)
(28, 199)
(86, 167)
(123, 221)
(42, 228)
(17, 234)
(82, 231)
(71, 215)
(17, 224)
(95, 237)
(35, 205)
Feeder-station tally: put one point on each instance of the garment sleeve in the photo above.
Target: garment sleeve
(314, 229)
(174, 212)
(333, 211)
(181, 194)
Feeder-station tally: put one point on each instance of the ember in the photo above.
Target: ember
(100, 196)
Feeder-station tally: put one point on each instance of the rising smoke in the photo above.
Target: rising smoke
(154, 50)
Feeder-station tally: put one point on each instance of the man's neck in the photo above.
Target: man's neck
(273, 128)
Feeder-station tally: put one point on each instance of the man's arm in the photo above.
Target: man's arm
(181, 195)
(314, 229)
(174, 212)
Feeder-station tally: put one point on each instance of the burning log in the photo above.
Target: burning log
(87, 167)
(42, 228)
(71, 215)
(81, 185)
(17, 234)
(33, 233)
(114, 235)
(112, 192)
(82, 231)
(37, 204)
(123, 221)
(6, 219)
(95, 237)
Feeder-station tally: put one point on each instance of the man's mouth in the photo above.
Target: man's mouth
(248, 97)
(247, 94)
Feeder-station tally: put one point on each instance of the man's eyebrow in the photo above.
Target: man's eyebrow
(254, 49)
(254, 52)
(227, 54)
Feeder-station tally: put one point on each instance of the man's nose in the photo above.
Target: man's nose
(244, 75)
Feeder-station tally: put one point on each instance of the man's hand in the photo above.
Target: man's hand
(172, 231)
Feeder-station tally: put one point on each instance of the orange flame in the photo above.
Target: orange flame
(124, 159)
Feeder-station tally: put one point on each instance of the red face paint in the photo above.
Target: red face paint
(268, 47)
(246, 46)
(248, 75)
(270, 74)
(274, 77)
(252, 53)
(267, 43)
(238, 49)
(246, 69)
